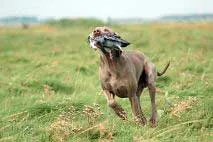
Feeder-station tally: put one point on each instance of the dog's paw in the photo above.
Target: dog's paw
(120, 112)
(153, 122)
(144, 121)
(123, 115)
(141, 120)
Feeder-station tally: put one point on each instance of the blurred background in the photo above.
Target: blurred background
(49, 83)
(119, 11)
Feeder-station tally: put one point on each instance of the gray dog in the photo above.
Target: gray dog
(125, 74)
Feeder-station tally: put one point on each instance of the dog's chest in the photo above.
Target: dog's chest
(121, 87)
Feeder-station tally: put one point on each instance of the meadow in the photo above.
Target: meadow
(50, 90)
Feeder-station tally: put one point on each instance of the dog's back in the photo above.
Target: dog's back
(138, 59)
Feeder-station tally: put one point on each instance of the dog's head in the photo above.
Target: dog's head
(98, 31)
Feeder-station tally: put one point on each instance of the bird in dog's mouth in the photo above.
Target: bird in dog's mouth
(106, 40)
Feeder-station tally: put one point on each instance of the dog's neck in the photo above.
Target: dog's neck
(112, 63)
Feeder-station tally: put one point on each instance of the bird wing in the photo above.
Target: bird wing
(118, 39)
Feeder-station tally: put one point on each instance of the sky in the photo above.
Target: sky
(103, 8)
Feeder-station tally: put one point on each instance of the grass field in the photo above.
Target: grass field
(49, 86)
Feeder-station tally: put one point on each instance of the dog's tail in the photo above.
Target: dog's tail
(161, 73)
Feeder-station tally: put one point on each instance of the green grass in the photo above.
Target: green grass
(49, 77)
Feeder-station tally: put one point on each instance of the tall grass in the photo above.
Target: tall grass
(49, 87)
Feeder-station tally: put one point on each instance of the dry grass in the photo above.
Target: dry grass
(68, 124)
(183, 106)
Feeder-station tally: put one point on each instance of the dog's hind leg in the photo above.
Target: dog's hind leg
(114, 105)
(151, 75)
(152, 91)
(136, 109)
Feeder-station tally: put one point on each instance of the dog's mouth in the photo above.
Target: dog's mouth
(97, 45)
(92, 43)
(113, 52)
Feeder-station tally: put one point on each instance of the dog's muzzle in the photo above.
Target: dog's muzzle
(92, 42)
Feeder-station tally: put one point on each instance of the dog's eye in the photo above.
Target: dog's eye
(98, 31)
(106, 30)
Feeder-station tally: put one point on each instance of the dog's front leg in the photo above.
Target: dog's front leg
(114, 105)
(136, 109)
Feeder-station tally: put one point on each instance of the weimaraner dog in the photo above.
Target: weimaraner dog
(125, 74)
